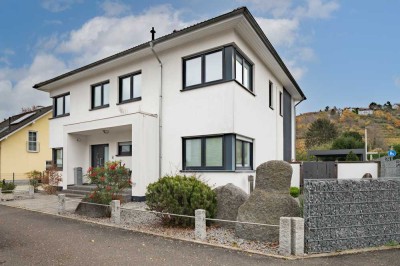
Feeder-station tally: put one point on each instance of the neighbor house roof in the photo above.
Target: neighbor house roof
(340, 152)
(17, 122)
(239, 11)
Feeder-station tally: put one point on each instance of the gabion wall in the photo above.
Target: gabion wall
(347, 214)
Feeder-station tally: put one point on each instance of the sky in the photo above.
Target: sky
(342, 53)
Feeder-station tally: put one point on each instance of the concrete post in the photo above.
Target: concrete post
(297, 236)
(200, 225)
(285, 238)
(31, 192)
(61, 203)
(116, 211)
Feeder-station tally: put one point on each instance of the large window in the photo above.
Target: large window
(130, 87)
(243, 71)
(125, 148)
(203, 153)
(100, 95)
(220, 65)
(203, 69)
(61, 105)
(58, 158)
(271, 95)
(32, 144)
(226, 152)
(244, 154)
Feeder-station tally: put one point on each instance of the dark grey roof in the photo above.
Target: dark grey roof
(242, 10)
(335, 152)
(7, 127)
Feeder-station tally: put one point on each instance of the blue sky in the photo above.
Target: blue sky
(342, 53)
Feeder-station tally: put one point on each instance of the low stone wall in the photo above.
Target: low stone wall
(348, 214)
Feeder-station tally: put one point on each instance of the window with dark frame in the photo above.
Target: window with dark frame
(203, 69)
(61, 105)
(130, 87)
(216, 66)
(280, 104)
(100, 95)
(271, 95)
(33, 144)
(58, 158)
(125, 148)
(243, 71)
(203, 153)
(244, 154)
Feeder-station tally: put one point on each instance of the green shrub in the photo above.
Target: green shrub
(35, 178)
(7, 187)
(110, 181)
(294, 192)
(180, 195)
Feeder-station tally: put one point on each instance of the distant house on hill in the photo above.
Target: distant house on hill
(365, 111)
(396, 106)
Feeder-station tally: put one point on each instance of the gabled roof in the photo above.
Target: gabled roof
(239, 11)
(16, 122)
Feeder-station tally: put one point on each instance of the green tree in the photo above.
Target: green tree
(387, 106)
(352, 134)
(326, 108)
(321, 131)
(347, 142)
(351, 157)
(373, 106)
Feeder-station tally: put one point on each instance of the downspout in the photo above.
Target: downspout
(159, 112)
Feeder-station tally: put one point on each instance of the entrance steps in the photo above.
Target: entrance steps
(80, 191)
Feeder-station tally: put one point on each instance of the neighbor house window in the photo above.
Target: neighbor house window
(61, 105)
(125, 148)
(280, 103)
(130, 87)
(58, 158)
(100, 95)
(203, 69)
(271, 95)
(244, 154)
(203, 153)
(32, 145)
(243, 71)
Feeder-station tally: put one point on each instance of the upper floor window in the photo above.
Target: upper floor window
(61, 105)
(203, 69)
(130, 87)
(243, 71)
(32, 144)
(219, 65)
(271, 95)
(100, 95)
(280, 103)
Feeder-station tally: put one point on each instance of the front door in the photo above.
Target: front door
(99, 155)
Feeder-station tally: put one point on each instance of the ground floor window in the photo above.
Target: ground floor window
(58, 158)
(216, 152)
(125, 148)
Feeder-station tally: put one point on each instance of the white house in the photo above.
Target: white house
(214, 98)
(365, 112)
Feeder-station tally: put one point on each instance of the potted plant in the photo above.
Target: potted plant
(7, 190)
(35, 178)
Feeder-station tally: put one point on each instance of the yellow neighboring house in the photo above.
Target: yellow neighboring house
(24, 143)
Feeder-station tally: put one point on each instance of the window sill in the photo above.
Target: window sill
(59, 116)
(33, 151)
(245, 171)
(123, 155)
(206, 171)
(99, 107)
(130, 100)
(204, 85)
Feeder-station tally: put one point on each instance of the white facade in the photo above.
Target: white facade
(223, 108)
(365, 112)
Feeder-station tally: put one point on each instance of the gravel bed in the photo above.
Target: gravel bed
(137, 218)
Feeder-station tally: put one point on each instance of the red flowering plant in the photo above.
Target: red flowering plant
(110, 181)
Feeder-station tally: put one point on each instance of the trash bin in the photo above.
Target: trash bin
(78, 175)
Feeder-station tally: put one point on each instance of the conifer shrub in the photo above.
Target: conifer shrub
(180, 195)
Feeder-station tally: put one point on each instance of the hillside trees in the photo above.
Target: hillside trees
(321, 131)
(348, 140)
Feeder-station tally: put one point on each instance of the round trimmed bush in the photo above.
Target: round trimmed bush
(294, 192)
(180, 195)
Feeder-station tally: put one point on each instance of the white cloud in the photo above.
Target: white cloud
(281, 32)
(278, 8)
(114, 8)
(58, 5)
(104, 36)
(317, 9)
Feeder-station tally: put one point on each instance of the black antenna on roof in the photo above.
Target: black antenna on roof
(152, 33)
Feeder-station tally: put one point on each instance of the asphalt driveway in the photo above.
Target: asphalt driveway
(30, 238)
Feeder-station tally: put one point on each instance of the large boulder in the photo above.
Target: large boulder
(265, 208)
(269, 201)
(274, 176)
(92, 210)
(229, 199)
